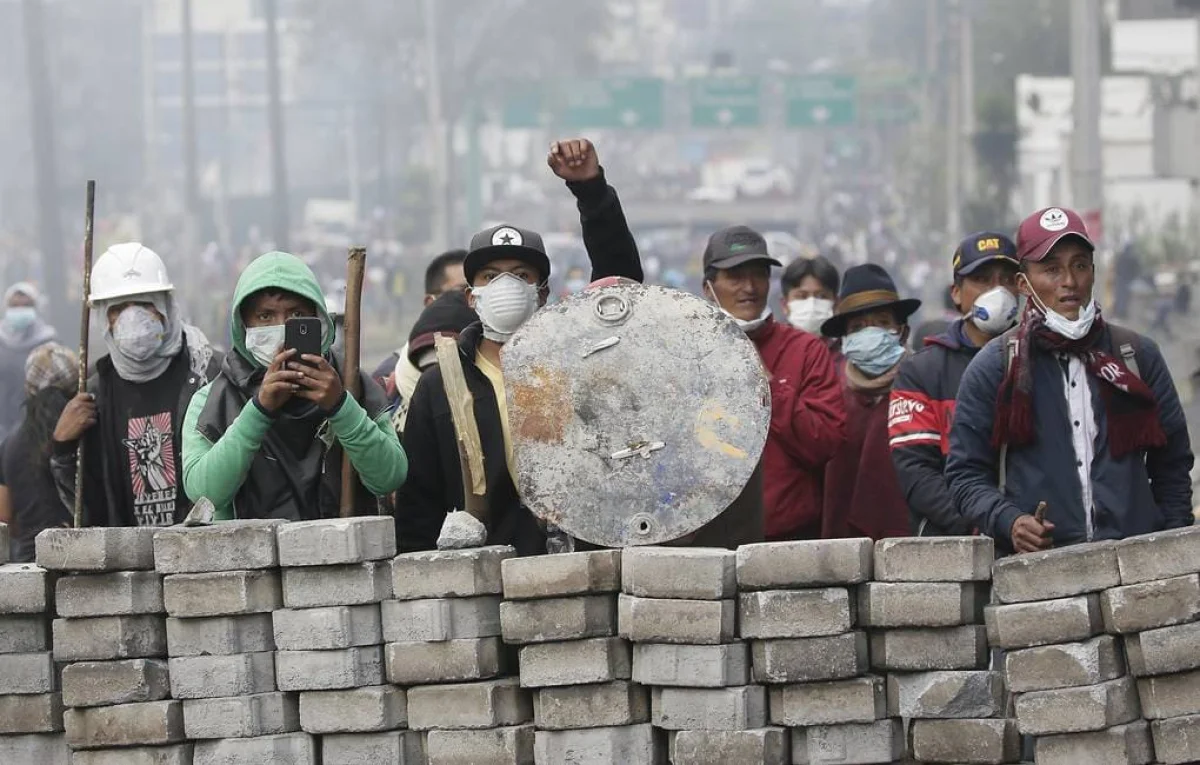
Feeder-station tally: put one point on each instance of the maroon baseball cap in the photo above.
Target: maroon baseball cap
(1047, 227)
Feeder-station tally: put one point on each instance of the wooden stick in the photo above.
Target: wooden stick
(352, 322)
(85, 327)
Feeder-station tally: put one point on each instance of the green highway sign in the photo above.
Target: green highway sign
(821, 100)
(718, 102)
(526, 106)
(889, 99)
(618, 102)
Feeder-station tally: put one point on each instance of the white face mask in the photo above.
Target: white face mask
(264, 343)
(994, 311)
(809, 313)
(138, 333)
(746, 325)
(504, 305)
(1075, 329)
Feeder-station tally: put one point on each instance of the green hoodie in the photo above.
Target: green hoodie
(217, 470)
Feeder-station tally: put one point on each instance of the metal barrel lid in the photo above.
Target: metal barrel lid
(637, 413)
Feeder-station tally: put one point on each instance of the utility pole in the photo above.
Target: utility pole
(280, 224)
(1087, 174)
(966, 81)
(954, 131)
(190, 176)
(439, 235)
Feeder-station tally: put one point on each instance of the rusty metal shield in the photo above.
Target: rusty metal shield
(637, 413)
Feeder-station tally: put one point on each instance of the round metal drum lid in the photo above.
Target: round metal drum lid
(637, 413)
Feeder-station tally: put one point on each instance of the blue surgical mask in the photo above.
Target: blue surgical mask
(873, 350)
(20, 317)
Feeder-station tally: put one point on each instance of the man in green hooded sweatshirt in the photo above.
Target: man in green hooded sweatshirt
(265, 438)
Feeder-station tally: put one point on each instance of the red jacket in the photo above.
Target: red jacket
(808, 423)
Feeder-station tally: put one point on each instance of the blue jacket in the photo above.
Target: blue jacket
(1139, 493)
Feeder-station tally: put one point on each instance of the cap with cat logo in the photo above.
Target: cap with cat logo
(733, 246)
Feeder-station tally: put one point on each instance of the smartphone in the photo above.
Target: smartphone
(302, 335)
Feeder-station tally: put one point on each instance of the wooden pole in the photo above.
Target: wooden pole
(352, 324)
(85, 326)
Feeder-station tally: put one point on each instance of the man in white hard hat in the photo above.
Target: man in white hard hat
(132, 414)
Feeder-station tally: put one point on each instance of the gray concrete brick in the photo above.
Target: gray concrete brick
(764, 746)
(327, 628)
(575, 662)
(809, 563)
(214, 677)
(499, 746)
(284, 749)
(396, 747)
(556, 619)
(987, 741)
(490, 704)
(222, 593)
(417, 663)
(1024, 625)
(107, 683)
(923, 650)
(372, 709)
(1065, 665)
(226, 546)
(328, 670)
(807, 660)
(1149, 605)
(1160, 555)
(795, 613)
(1164, 650)
(40, 713)
(934, 559)
(558, 576)
(39, 749)
(861, 699)
(1177, 741)
(436, 619)
(1078, 710)
(96, 549)
(337, 541)
(5, 542)
(1119, 745)
(176, 754)
(220, 635)
(153, 723)
(921, 604)
(449, 573)
(692, 622)
(591, 706)
(736, 708)
(686, 573)
(120, 593)
(24, 633)
(100, 638)
(257, 714)
(25, 589)
(1170, 695)
(350, 585)
(849, 744)
(946, 695)
(690, 666)
(1059, 573)
(629, 745)
(28, 673)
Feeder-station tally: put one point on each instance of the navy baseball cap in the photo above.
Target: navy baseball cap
(983, 247)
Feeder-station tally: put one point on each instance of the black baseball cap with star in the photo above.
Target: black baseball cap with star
(503, 242)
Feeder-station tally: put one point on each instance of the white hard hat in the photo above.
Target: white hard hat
(126, 270)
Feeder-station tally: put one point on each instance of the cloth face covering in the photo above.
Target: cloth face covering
(264, 343)
(1060, 325)
(873, 350)
(138, 333)
(20, 317)
(504, 305)
(809, 314)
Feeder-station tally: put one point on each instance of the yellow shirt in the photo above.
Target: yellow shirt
(496, 376)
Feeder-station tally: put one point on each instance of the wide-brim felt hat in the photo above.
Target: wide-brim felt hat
(867, 288)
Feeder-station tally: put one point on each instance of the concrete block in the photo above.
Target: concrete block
(337, 541)
(499, 746)
(226, 546)
(107, 683)
(849, 744)
(686, 573)
(557, 576)
(1023, 625)
(808, 563)
(628, 744)
(96, 549)
(1177, 741)
(449, 573)
(1078, 710)
(372, 709)
(176, 754)
(41, 749)
(220, 635)
(807, 660)
(1066, 665)
(795, 613)
(1165, 650)
(328, 670)
(1063, 572)
(934, 559)
(591, 706)
(24, 633)
(449, 661)
(555, 619)
(923, 650)
(40, 713)
(861, 699)
(327, 628)
(258, 714)
(765, 746)
(690, 666)
(946, 695)
(1119, 745)
(25, 589)
(692, 622)
(490, 704)
(153, 723)
(396, 747)
(575, 662)
(1170, 695)
(1160, 555)
(1149, 605)
(737, 708)
(5, 543)
(100, 638)
(436, 619)
(284, 749)
(921, 604)
(28, 673)
(988, 741)
(214, 677)
(222, 593)
(350, 585)
(121, 593)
